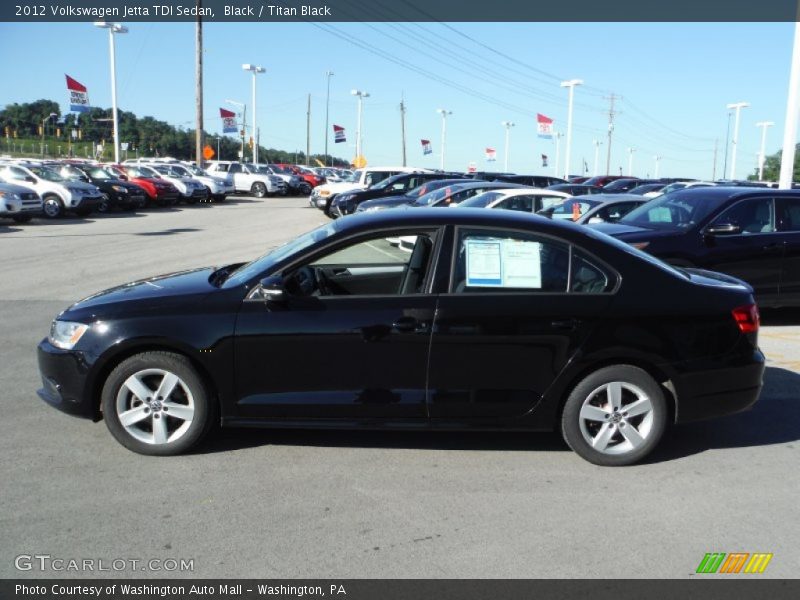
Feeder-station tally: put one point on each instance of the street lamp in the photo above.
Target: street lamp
(112, 29)
(243, 114)
(328, 74)
(597, 144)
(44, 123)
(360, 94)
(571, 85)
(508, 125)
(444, 113)
(764, 125)
(738, 106)
(255, 70)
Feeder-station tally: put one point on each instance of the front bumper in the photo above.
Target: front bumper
(86, 202)
(64, 375)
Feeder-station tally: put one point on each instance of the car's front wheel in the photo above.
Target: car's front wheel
(615, 416)
(52, 206)
(259, 190)
(156, 403)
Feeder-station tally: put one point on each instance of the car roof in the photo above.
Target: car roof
(724, 191)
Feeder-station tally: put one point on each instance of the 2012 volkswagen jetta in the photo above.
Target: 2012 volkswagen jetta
(494, 320)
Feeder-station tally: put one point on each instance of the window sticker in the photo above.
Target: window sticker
(505, 263)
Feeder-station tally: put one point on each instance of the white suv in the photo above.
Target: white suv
(322, 195)
(58, 194)
(247, 179)
(19, 203)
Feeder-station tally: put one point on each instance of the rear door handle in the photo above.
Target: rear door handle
(565, 324)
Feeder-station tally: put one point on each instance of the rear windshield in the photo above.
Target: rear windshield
(678, 210)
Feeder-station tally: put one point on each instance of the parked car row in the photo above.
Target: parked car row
(53, 188)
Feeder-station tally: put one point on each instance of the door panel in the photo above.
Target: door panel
(788, 211)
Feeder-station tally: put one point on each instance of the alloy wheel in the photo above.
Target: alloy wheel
(616, 418)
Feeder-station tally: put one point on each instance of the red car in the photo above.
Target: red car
(307, 174)
(159, 192)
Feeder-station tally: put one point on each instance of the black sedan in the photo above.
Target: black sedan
(749, 233)
(411, 185)
(494, 320)
(447, 195)
(119, 194)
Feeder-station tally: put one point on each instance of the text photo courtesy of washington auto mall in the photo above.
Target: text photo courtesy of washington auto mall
(399, 300)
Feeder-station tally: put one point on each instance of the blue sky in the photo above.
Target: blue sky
(674, 78)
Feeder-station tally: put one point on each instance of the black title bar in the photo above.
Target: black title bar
(267, 11)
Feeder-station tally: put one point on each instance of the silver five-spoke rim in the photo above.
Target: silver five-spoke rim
(155, 406)
(616, 418)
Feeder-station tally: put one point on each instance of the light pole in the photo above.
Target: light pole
(764, 125)
(243, 114)
(558, 136)
(444, 113)
(360, 94)
(657, 158)
(738, 106)
(328, 75)
(597, 144)
(508, 125)
(44, 124)
(790, 122)
(631, 150)
(255, 70)
(112, 29)
(571, 85)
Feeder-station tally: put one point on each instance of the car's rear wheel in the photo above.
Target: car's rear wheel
(259, 190)
(52, 206)
(156, 403)
(615, 416)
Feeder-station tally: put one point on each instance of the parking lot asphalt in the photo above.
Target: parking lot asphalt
(359, 504)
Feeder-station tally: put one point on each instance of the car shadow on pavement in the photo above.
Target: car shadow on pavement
(780, 316)
(236, 439)
(8, 228)
(774, 419)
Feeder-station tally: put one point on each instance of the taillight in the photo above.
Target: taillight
(747, 318)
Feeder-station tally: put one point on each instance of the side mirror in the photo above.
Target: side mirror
(30, 179)
(723, 229)
(272, 289)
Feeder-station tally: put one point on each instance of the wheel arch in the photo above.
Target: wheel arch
(109, 361)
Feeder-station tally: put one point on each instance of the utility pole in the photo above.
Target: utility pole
(198, 93)
(403, 127)
(714, 167)
(727, 145)
(308, 132)
(764, 125)
(611, 115)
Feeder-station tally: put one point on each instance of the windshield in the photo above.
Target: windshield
(147, 172)
(433, 197)
(181, 171)
(383, 184)
(566, 210)
(678, 210)
(98, 173)
(271, 258)
(354, 177)
(481, 200)
(47, 174)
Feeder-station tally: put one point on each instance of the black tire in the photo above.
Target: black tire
(617, 429)
(22, 218)
(52, 206)
(259, 190)
(116, 394)
(104, 206)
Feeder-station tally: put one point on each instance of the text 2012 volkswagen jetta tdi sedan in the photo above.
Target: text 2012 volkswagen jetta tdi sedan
(494, 320)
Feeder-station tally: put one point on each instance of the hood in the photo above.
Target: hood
(388, 202)
(80, 185)
(180, 285)
(338, 188)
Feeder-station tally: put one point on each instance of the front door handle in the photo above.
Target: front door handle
(410, 325)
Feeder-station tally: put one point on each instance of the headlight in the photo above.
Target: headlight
(9, 195)
(65, 334)
(120, 189)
